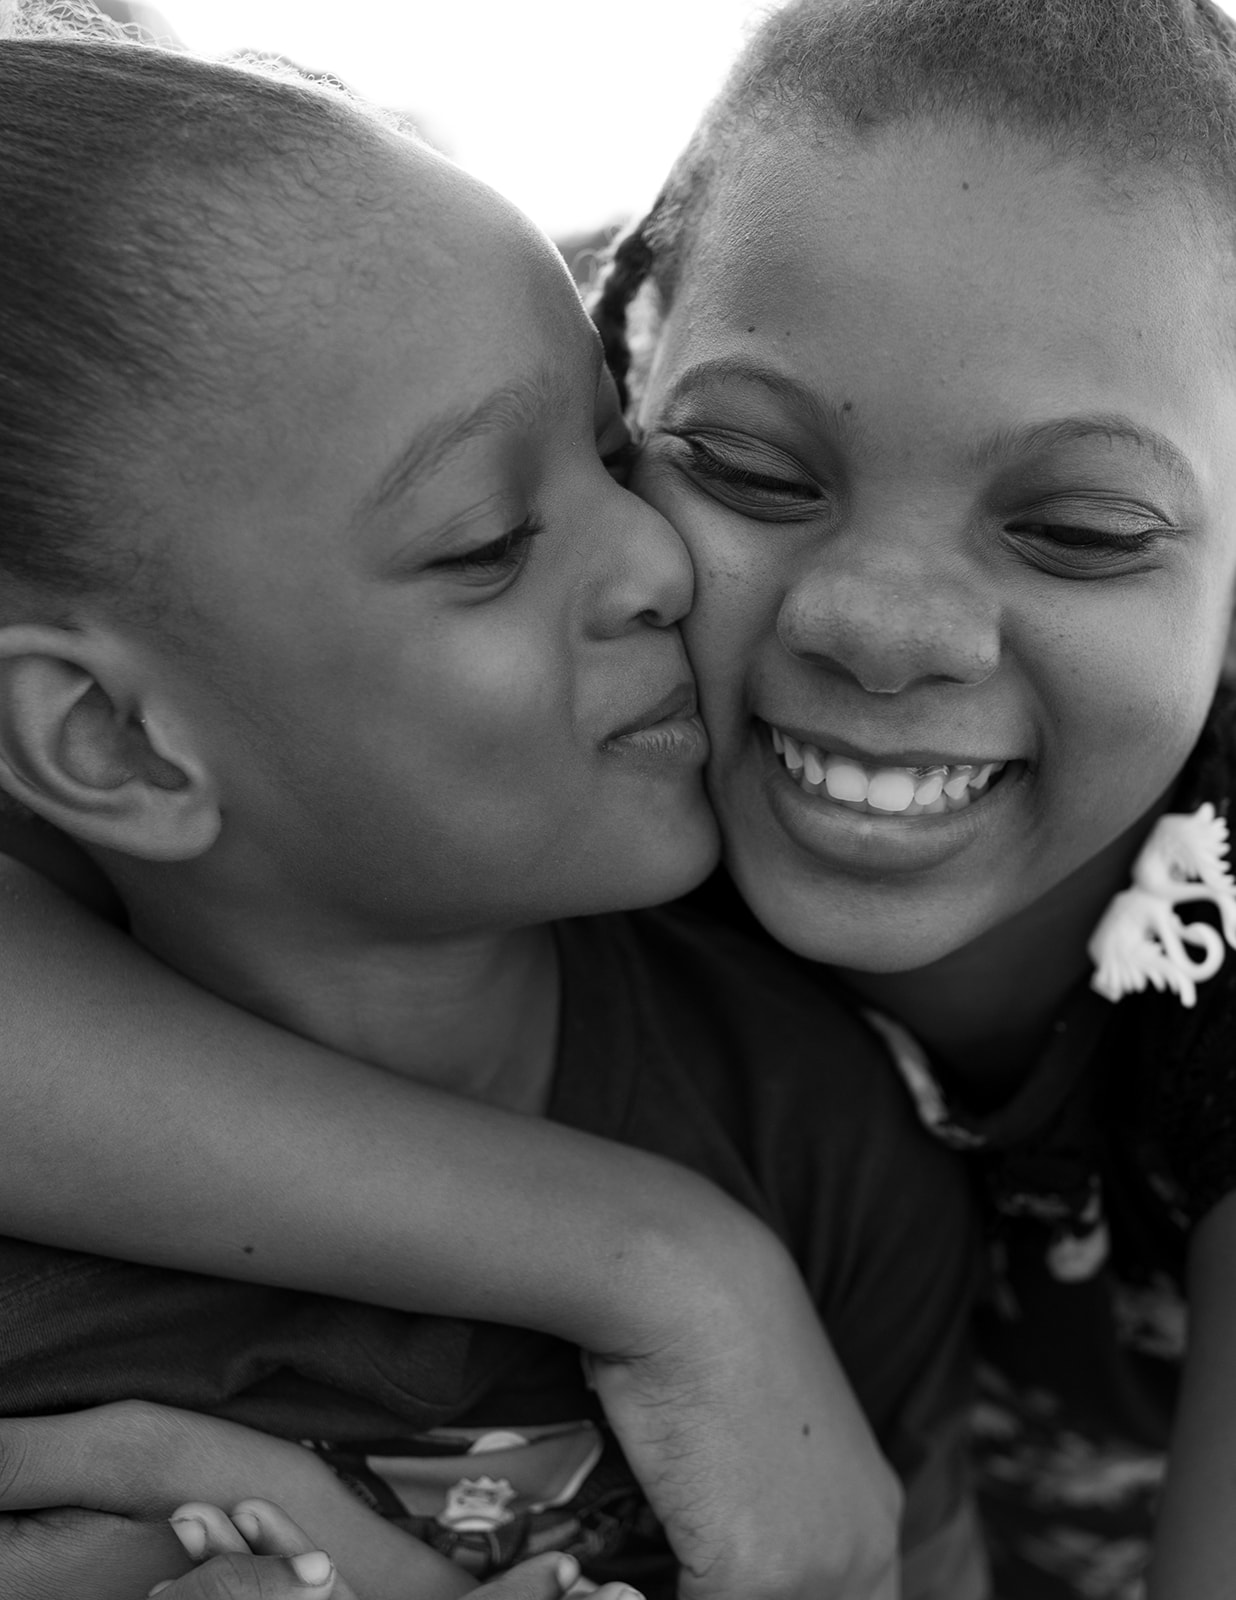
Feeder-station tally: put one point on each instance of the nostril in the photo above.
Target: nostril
(886, 644)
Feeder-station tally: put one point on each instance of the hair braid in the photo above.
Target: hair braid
(629, 265)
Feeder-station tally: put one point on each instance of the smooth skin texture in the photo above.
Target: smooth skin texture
(883, 413)
(352, 588)
(947, 427)
(380, 734)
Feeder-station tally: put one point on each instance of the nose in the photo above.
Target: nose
(647, 579)
(888, 618)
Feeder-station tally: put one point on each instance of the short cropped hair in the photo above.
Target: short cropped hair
(116, 160)
(1116, 83)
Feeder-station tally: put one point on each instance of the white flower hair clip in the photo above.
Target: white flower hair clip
(1140, 939)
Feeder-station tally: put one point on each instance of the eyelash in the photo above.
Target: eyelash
(499, 558)
(1089, 552)
(506, 555)
(709, 463)
(1092, 550)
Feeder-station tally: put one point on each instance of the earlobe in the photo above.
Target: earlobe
(78, 750)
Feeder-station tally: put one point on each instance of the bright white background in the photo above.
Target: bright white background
(574, 110)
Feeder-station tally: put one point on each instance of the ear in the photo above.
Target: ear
(86, 744)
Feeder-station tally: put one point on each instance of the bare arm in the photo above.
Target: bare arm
(1195, 1544)
(186, 1133)
(114, 1475)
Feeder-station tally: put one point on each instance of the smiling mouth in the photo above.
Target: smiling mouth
(886, 790)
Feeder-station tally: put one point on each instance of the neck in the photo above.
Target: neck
(985, 1011)
(476, 1015)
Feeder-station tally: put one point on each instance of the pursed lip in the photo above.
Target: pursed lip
(678, 705)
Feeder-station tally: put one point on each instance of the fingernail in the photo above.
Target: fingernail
(566, 1572)
(192, 1534)
(159, 1588)
(315, 1566)
(247, 1525)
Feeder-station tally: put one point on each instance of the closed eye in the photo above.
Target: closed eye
(1113, 540)
(500, 558)
(739, 478)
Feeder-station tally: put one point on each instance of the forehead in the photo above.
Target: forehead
(917, 252)
(402, 290)
(408, 295)
(400, 246)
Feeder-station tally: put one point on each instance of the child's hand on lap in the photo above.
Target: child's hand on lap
(259, 1553)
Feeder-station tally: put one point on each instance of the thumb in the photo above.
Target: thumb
(241, 1577)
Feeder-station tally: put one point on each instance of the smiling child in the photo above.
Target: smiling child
(936, 375)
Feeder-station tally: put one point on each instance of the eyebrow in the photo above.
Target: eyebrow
(1112, 426)
(835, 418)
(432, 447)
(829, 416)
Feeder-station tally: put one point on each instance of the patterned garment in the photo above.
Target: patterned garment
(1083, 1324)
(489, 1498)
(1122, 1137)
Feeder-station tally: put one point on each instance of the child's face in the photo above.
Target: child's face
(425, 625)
(949, 434)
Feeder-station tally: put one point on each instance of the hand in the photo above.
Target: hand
(113, 1475)
(70, 1550)
(741, 1427)
(259, 1553)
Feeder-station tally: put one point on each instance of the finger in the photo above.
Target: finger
(552, 1576)
(204, 1530)
(268, 1530)
(236, 1577)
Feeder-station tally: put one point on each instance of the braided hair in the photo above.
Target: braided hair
(1120, 84)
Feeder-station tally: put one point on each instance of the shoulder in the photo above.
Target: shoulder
(724, 1038)
(751, 1001)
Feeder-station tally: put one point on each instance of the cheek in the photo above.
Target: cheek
(504, 686)
(1125, 680)
(740, 579)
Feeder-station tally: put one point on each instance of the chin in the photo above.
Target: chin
(836, 929)
(652, 871)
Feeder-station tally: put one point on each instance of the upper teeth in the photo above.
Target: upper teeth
(907, 790)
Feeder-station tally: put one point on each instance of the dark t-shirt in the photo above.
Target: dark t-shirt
(679, 1035)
